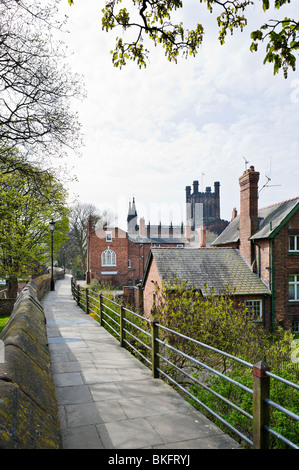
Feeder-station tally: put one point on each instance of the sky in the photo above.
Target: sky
(150, 133)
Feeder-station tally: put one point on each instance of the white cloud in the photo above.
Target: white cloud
(152, 132)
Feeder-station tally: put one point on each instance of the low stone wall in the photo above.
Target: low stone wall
(28, 407)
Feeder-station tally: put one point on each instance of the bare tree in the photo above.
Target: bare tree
(36, 87)
(77, 243)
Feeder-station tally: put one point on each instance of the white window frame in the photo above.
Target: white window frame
(251, 305)
(296, 244)
(294, 283)
(108, 236)
(108, 258)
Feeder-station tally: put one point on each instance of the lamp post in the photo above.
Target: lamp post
(52, 228)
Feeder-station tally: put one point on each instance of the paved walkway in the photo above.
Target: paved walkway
(107, 399)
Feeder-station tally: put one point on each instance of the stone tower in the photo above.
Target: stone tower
(202, 207)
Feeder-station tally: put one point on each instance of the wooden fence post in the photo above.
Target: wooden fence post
(78, 294)
(122, 326)
(155, 349)
(87, 301)
(261, 390)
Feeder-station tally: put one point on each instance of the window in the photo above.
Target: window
(129, 263)
(294, 243)
(108, 236)
(255, 309)
(294, 287)
(108, 258)
(295, 327)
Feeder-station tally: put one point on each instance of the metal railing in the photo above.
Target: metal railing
(125, 324)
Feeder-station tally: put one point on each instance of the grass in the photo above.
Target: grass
(3, 321)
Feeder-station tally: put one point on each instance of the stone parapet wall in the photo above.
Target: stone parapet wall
(28, 407)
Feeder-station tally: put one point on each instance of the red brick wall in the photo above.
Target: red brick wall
(138, 256)
(262, 256)
(266, 306)
(285, 263)
(152, 280)
(119, 245)
(131, 258)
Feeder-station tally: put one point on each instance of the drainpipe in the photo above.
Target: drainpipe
(271, 283)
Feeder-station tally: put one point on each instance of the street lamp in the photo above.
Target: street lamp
(52, 228)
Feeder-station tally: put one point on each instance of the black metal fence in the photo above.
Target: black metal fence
(144, 338)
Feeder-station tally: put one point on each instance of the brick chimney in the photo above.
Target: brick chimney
(249, 221)
(142, 226)
(234, 214)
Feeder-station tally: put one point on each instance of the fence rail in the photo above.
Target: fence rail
(122, 322)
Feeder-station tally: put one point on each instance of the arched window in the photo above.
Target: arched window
(108, 258)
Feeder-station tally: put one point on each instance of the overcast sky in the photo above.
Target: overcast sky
(150, 133)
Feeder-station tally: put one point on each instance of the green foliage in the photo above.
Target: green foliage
(218, 322)
(156, 26)
(214, 320)
(155, 20)
(3, 321)
(26, 209)
(279, 393)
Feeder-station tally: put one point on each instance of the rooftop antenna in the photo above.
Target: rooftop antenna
(202, 174)
(246, 161)
(267, 185)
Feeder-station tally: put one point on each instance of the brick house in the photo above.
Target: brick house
(119, 257)
(268, 240)
(204, 269)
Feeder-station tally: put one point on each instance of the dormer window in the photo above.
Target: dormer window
(108, 236)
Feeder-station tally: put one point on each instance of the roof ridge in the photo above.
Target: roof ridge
(278, 203)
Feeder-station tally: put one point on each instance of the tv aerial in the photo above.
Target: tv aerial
(267, 185)
(246, 161)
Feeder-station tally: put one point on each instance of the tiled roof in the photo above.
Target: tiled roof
(215, 268)
(271, 218)
(157, 240)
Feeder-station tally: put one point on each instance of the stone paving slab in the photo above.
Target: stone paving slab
(107, 398)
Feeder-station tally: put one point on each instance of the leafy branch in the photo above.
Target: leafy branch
(154, 19)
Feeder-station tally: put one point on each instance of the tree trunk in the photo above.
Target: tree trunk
(12, 287)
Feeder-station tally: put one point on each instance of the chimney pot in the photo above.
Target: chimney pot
(203, 237)
(234, 214)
